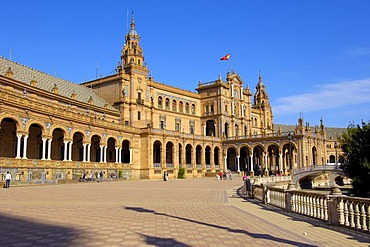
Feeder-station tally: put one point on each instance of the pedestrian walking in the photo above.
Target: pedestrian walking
(8, 177)
(101, 176)
(220, 174)
(230, 176)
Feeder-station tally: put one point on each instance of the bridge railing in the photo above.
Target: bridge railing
(334, 208)
(317, 168)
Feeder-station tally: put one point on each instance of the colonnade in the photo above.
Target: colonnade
(67, 155)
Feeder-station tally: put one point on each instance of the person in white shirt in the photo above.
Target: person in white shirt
(8, 177)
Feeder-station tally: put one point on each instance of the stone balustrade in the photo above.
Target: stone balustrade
(334, 208)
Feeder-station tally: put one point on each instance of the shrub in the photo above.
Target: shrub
(181, 172)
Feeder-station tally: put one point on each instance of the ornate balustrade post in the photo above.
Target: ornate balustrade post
(289, 197)
(288, 200)
(335, 207)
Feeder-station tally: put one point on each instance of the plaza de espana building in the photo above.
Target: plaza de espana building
(128, 125)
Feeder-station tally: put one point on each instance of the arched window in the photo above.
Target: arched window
(174, 105)
(181, 107)
(160, 102)
(167, 104)
(193, 109)
(187, 108)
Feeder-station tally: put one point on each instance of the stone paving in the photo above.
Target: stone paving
(190, 212)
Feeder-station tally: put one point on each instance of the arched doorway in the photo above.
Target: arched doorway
(188, 156)
(245, 160)
(8, 138)
(198, 156)
(95, 149)
(207, 154)
(34, 142)
(216, 155)
(231, 160)
(169, 154)
(210, 128)
(111, 150)
(125, 152)
(157, 146)
(258, 161)
(273, 160)
(77, 147)
(57, 145)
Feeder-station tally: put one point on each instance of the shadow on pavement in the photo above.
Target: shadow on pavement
(362, 237)
(19, 232)
(240, 231)
(157, 241)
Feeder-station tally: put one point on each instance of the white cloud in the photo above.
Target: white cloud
(326, 97)
(358, 51)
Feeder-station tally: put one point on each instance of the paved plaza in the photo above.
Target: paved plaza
(189, 212)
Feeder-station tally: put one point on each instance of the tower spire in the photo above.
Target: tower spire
(132, 21)
(132, 53)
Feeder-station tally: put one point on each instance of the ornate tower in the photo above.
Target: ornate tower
(135, 83)
(261, 102)
(132, 57)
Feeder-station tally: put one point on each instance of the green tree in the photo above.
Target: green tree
(181, 172)
(355, 144)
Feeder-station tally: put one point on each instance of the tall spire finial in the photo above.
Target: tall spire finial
(132, 21)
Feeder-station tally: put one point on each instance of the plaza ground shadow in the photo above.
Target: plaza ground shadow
(20, 232)
(239, 231)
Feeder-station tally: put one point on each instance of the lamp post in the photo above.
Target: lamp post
(336, 154)
(290, 151)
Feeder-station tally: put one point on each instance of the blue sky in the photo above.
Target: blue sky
(314, 56)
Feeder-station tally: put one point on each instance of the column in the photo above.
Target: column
(251, 164)
(49, 149)
(101, 153)
(120, 155)
(281, 162)
(203, 159)
(193, 159)
(131, 156)
(105, 153)
(204, 130)
(265, 158)
(25, 147)
(117, 158)
(225, 160)
(19, 140)
(238, 161)
(84, 152)
(70, 151)
(88, 152)
(212, 160)
(43, 148)
(266, 168)
(65, 150)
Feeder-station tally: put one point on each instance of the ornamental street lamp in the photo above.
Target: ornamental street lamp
(290, 151)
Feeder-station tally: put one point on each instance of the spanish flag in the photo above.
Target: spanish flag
(226, 57)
